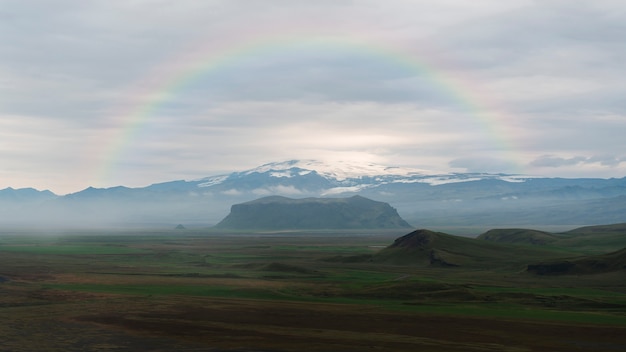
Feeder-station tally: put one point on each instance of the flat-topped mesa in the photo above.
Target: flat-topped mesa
(281, 213)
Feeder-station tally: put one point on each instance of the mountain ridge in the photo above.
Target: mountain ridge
(421, 197)
(349, 174)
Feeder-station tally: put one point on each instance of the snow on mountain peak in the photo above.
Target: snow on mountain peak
(355, 175)
(340, 170)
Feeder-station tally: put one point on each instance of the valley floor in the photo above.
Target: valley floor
(286, 292)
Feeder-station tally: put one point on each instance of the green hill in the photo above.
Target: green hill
(429, 248)
(281, 213)
(603, 263)
(598, 229)
(589, 240)
(594, 239)
(519, 236)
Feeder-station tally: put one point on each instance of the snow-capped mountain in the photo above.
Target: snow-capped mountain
(341, 177)
(340, 170)
(421, 197)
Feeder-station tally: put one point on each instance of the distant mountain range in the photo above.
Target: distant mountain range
(421, 198)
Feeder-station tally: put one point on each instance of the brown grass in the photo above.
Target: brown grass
(263, 325)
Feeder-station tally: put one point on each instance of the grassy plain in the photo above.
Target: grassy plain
(209, 291)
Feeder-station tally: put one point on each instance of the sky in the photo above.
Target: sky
(105, 92)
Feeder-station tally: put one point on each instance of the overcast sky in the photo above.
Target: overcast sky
(106, 93)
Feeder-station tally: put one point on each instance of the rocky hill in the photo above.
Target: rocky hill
(279, 213)
(430, 248)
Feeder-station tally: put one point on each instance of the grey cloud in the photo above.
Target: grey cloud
(483, 164)
(555, 161)
(70, 57)
(605, 160)
(579, 133)
(569, 40)
(85, 71)
(542, 28)
(340, 75)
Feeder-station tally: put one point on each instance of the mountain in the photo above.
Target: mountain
(302, 177)
(18, 205)
(280, 213)
(420, 197)
(24, 195)
(441, 199)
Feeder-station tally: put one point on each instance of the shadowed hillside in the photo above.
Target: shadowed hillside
(599, 229)
(603, 263)
(590, 240)
(429, 248)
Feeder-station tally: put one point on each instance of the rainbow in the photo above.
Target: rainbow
(168, 80)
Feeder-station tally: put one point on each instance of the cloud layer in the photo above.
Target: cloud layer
(102, 93)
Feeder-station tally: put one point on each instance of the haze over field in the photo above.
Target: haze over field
(105, 93)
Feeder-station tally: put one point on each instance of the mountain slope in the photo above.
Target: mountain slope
(589, 239)
(429, 248)
(598, 230)
(25, 195)
(615, 261)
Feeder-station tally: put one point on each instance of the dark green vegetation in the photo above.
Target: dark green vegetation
(424, 247)
(281, 213)
(521, 236)
(310, 291)
(588, 239)
(614, 261)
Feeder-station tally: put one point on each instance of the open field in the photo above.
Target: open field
(207, 291)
